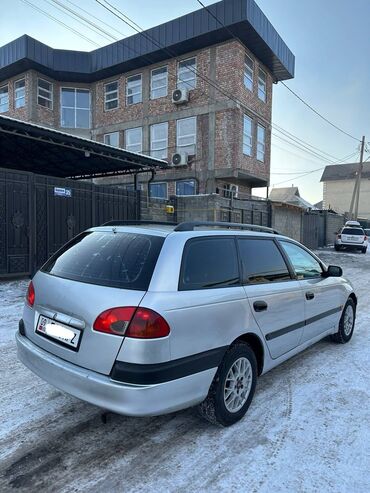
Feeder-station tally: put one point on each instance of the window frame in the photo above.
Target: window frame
(252, 70)
(7, 92)
(76, 108)
(131, 95)
(158, 140)
(180, 147)
(43, 97)
(260, 143)
(158, 183)
(152, 98)
(243, 277)
(185, 180)
(251, 135)
(180, 286)
(17, 98)
(111, 92)
(179, 82)
(111, 133)
(264, 99)
(141, 139)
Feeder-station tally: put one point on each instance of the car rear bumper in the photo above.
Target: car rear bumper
(102, 391)
(347, 244)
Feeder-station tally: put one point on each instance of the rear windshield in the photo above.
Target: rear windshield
(353, 231)
(122, 260)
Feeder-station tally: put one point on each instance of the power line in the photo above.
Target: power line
(86, 22)
(59, 22)
(319, 114)
(132, 24)
(289, 89)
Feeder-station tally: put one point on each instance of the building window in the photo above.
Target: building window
(261, 136)
(158, 190)
(4, 99)
(75, 108)
(262, 85)
(159, 140)
(248, 73)
(185, 187)
(230, 191)
(134, 90)
(134, 139)
(187, 135)
(19, 93)
(111, 96)
(112, 139)
(247, 136)
(45, 93)
(186, 74)
(159, 83)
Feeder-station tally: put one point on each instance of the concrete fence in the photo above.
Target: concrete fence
(313, 228)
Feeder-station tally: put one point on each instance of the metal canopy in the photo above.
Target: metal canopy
(28, 147)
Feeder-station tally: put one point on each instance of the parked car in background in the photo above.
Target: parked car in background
(148, 319)
(351, 237)
(367, 232)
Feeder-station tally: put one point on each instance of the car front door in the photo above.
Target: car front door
(276, 299)
(322, 294)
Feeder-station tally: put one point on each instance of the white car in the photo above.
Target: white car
(351, 236)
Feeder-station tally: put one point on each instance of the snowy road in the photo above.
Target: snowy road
(306, 431)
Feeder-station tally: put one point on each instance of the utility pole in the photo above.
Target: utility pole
(356, 191)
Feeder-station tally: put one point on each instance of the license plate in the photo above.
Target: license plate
(60, 333)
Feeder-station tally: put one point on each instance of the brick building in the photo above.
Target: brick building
(215, 137)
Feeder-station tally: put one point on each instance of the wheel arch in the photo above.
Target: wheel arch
(257, 346)
(354, 298)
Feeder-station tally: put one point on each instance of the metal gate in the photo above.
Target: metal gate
(38, 214)
(313, 234)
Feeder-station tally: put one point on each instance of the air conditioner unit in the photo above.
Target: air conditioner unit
(180, 96)
(180, 159)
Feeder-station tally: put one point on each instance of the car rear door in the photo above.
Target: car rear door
(96, 272)
(323, 295)
(275, 298)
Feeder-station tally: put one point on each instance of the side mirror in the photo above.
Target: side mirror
(334, 271)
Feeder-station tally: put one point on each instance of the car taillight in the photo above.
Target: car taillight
(114, 320)
(30, 296)
(339, 237)
(147, 324)
(365, 239)
(140, 323)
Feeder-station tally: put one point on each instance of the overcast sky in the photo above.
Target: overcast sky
(331, 42)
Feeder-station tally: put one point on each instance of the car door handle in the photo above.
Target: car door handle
(260, 306)
(310, 296)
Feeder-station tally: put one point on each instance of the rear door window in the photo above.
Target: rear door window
(209, 263)
(123, 260)
(262, 261)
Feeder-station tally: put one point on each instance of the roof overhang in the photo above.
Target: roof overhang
(28, 147)
(194, 31)
(240, 176)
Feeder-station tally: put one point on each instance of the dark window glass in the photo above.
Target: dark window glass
(122, 260)
(209, 263)
(305, 265)
(353, 231)
(262, 261)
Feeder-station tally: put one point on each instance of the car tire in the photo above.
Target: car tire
(336, 248)
(364, 250)
(229, 398)
(346, 323)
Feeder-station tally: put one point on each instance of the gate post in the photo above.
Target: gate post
(32, 267)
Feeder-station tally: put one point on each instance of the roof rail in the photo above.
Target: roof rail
(138, 223)
(190, 226)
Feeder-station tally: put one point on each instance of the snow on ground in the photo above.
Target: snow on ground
(306, 431)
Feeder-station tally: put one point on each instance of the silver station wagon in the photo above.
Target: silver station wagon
(146, 319)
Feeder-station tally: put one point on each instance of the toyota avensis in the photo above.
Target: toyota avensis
(148, 319)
